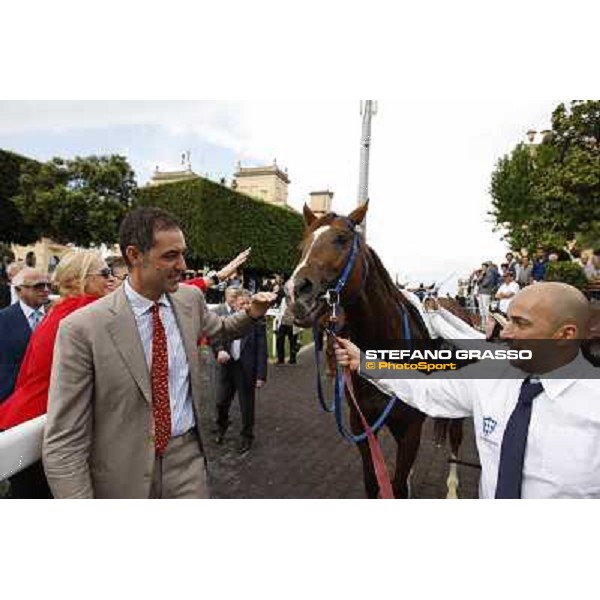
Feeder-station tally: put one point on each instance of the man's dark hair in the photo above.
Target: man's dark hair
(139, 226)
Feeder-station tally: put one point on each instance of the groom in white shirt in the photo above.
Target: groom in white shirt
(537, 431)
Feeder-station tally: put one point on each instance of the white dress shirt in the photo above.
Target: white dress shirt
(236, 345)
(562, 458)
(29, 312)
(180, 395)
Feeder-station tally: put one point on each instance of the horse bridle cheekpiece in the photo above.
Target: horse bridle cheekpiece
(332, 295)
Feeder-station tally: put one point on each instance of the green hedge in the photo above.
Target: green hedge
(566, 272)
(218, 223)
(12, 225)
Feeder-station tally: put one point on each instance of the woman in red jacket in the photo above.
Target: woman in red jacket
(81, 278)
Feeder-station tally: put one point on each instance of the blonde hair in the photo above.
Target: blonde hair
(70, 274)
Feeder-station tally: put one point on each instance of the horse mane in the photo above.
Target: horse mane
(390, 288)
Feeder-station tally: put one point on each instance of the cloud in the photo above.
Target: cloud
(218, 122)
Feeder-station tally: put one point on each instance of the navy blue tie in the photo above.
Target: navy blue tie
(514, 442)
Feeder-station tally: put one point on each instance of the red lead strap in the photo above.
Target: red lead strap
(381, 472)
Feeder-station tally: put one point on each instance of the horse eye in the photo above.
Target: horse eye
(341, 239)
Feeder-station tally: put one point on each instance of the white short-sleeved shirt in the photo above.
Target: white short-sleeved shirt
(504, 303)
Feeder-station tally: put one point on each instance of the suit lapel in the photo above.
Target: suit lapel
(22, 321)
(124, 332)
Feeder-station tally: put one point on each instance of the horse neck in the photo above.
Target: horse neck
(376, 314)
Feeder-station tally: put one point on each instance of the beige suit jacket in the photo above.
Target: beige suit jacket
(98, 440)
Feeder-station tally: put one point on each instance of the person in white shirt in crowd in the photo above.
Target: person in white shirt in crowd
(538, 429)
(507, 291)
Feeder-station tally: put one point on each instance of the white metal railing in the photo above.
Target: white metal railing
(21, 446)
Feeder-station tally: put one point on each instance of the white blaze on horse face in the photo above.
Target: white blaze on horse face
(315, 236)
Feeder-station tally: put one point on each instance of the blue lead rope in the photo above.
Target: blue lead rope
(339, 390)
(318, 355)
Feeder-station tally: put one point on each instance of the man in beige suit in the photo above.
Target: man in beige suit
(123, 407)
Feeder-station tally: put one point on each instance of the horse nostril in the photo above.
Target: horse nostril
(305, 287)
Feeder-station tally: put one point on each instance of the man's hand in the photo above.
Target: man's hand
(260, 303)
(260, 383)
(230, 268)
(223, 357)
(347, 354)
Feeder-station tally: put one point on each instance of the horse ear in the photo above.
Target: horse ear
(358, 214)
(309, 215)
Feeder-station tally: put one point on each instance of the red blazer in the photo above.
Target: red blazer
(30, 396)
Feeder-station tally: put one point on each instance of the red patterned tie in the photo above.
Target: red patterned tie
(161, 407)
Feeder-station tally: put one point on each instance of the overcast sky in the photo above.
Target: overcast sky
(431, 158)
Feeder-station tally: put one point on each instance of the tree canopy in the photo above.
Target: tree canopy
(13, 228)
(80, 201)
(549, 194)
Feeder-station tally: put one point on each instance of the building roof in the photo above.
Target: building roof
(159, 177)
(269, 170)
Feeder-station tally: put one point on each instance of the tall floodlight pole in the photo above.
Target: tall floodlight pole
(368, 108)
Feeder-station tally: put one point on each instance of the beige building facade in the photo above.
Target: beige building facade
(320, 202)
(269, 183)
(47, 253)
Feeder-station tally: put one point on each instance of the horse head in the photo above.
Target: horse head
(332, 249)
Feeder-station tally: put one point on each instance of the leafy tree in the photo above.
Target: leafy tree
(81, 201)
(550, 194)
(13, 228)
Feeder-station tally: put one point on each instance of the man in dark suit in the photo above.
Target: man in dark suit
(243, 369)
(17, 323)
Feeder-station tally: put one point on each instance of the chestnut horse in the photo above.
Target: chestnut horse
(375, 311)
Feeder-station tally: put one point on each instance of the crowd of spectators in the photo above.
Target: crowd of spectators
(491, 287)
